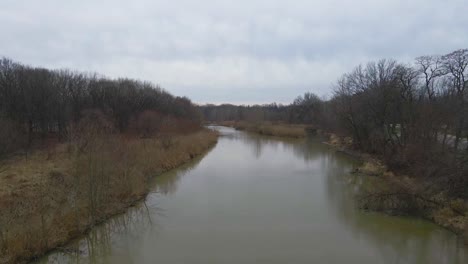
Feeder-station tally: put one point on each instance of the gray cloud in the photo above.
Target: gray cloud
(229, 51)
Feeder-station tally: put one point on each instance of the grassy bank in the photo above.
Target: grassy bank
(54, 195)
(269, 129)
(398, 194)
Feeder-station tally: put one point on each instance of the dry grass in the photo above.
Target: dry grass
(50, 197)
(339, 142)
(402, 195)
(373, 167)
(270, 129)
(395, 193)
(407, 196)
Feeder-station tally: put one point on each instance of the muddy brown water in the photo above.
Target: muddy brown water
(256, 199)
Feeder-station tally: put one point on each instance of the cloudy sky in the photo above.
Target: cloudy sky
(252, 51)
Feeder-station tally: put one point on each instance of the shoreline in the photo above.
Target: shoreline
(121, 211)
(371, 167)
(269, 129)
(192, 147)
(437, 208)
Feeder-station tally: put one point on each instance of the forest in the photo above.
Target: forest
(38, 105)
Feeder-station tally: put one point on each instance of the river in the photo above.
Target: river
(256, 199)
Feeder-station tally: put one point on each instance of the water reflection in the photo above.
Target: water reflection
(103, 241)
(398, 239)
(256, 199)
(308, 149)
(167, 182)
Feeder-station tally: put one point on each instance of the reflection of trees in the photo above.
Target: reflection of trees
(311, 149)
(305, 149)
(167, 182)
(396, 240)
(399, 240)
(96, 246)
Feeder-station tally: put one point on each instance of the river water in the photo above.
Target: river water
(255, 199)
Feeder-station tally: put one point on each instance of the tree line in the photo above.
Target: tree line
(306, 109)
(415, 116)
(38, 103)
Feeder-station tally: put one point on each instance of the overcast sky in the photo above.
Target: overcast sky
(250, 51)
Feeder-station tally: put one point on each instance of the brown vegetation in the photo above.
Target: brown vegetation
(50, 197)
(394, 193)
(402, 195)
(269, 129)
(76, 148)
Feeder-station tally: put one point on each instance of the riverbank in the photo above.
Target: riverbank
(386, 191)
(398, 194)
(52, 196)
(269, 129)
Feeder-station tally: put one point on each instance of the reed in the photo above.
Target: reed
(51, 197)
(270, 129)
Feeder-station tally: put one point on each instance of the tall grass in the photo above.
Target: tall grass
(47, 199)
(269, 129)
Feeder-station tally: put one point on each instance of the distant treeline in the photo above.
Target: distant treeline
(302, 111)
(414, 116)
(41, 103)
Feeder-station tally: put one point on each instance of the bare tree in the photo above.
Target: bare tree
(431, 67)
(456, 63)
